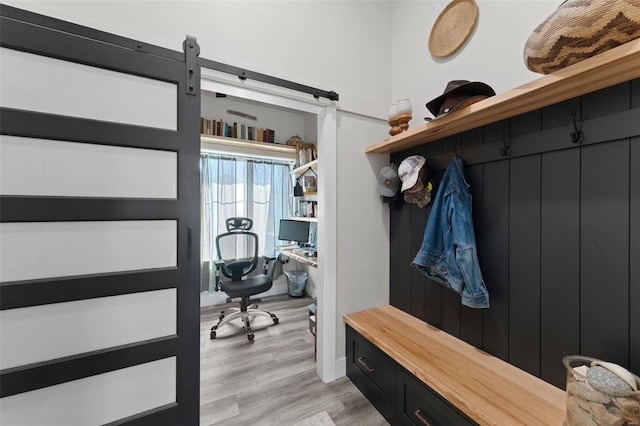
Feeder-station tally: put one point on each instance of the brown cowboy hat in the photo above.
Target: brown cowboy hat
(458, 93)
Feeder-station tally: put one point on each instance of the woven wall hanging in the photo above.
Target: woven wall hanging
(453, 27)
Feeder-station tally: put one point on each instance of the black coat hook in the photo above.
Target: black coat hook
(577, 136)
(455, 148)
(506, 148)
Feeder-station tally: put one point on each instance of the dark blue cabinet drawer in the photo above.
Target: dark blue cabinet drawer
(372, 371)
(419, 405)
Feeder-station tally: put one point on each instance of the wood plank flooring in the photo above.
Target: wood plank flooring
(271, 381)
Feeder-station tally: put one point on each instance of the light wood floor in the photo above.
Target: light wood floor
(271, 381)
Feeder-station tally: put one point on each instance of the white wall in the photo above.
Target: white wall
(493, 54)
(363, 222)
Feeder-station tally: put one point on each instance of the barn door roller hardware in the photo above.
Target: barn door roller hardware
(244, 74)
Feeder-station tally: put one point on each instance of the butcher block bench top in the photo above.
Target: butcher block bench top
(485, 388)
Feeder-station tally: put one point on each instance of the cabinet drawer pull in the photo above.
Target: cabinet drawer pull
(418, 414)
(364, 364)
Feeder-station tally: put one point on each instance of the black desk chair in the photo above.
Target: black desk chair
(237, 251)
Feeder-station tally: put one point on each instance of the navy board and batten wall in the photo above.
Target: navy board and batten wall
(558, 235)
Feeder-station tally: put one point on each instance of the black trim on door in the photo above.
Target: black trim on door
(73, 129)
(35, 376)
(57, 209)
(69, 46)
(90, 33)
(21, 294)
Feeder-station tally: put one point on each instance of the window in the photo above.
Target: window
(236, 186)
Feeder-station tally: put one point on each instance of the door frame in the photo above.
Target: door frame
(326, 113)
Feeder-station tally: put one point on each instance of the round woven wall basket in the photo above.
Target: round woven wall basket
(580, 29)
(453, 27)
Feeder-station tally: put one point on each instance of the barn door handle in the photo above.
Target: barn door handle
(189, 242)
(423, 419)
(365, 365)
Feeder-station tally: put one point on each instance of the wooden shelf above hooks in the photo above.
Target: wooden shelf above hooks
(606, 69)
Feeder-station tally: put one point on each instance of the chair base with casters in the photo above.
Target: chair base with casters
(245, 312)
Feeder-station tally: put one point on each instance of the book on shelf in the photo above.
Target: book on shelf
(236, 130)
(205, 126)
(307, 209)
(306, 155)
(271, 136)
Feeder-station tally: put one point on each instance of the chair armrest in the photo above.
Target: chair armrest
(218, 264)
(265, 264)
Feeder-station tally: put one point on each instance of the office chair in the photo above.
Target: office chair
(237, 251)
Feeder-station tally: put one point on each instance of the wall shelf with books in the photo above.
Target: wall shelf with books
(306, 208)
(306, 153)
(236, 130)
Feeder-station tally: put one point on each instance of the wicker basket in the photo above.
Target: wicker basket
(580, 29)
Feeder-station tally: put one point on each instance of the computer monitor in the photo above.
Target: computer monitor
(294, 230)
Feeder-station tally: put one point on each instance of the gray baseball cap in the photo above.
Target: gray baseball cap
(388, 181)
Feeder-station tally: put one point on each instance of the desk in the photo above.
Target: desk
(307, 260)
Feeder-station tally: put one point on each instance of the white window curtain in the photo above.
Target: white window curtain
(236, 186)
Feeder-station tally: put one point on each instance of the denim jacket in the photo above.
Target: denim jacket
(448, 252)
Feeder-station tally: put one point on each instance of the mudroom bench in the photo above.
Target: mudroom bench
(417, 374)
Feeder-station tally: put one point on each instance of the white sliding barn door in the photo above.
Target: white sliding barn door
(99, 227)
